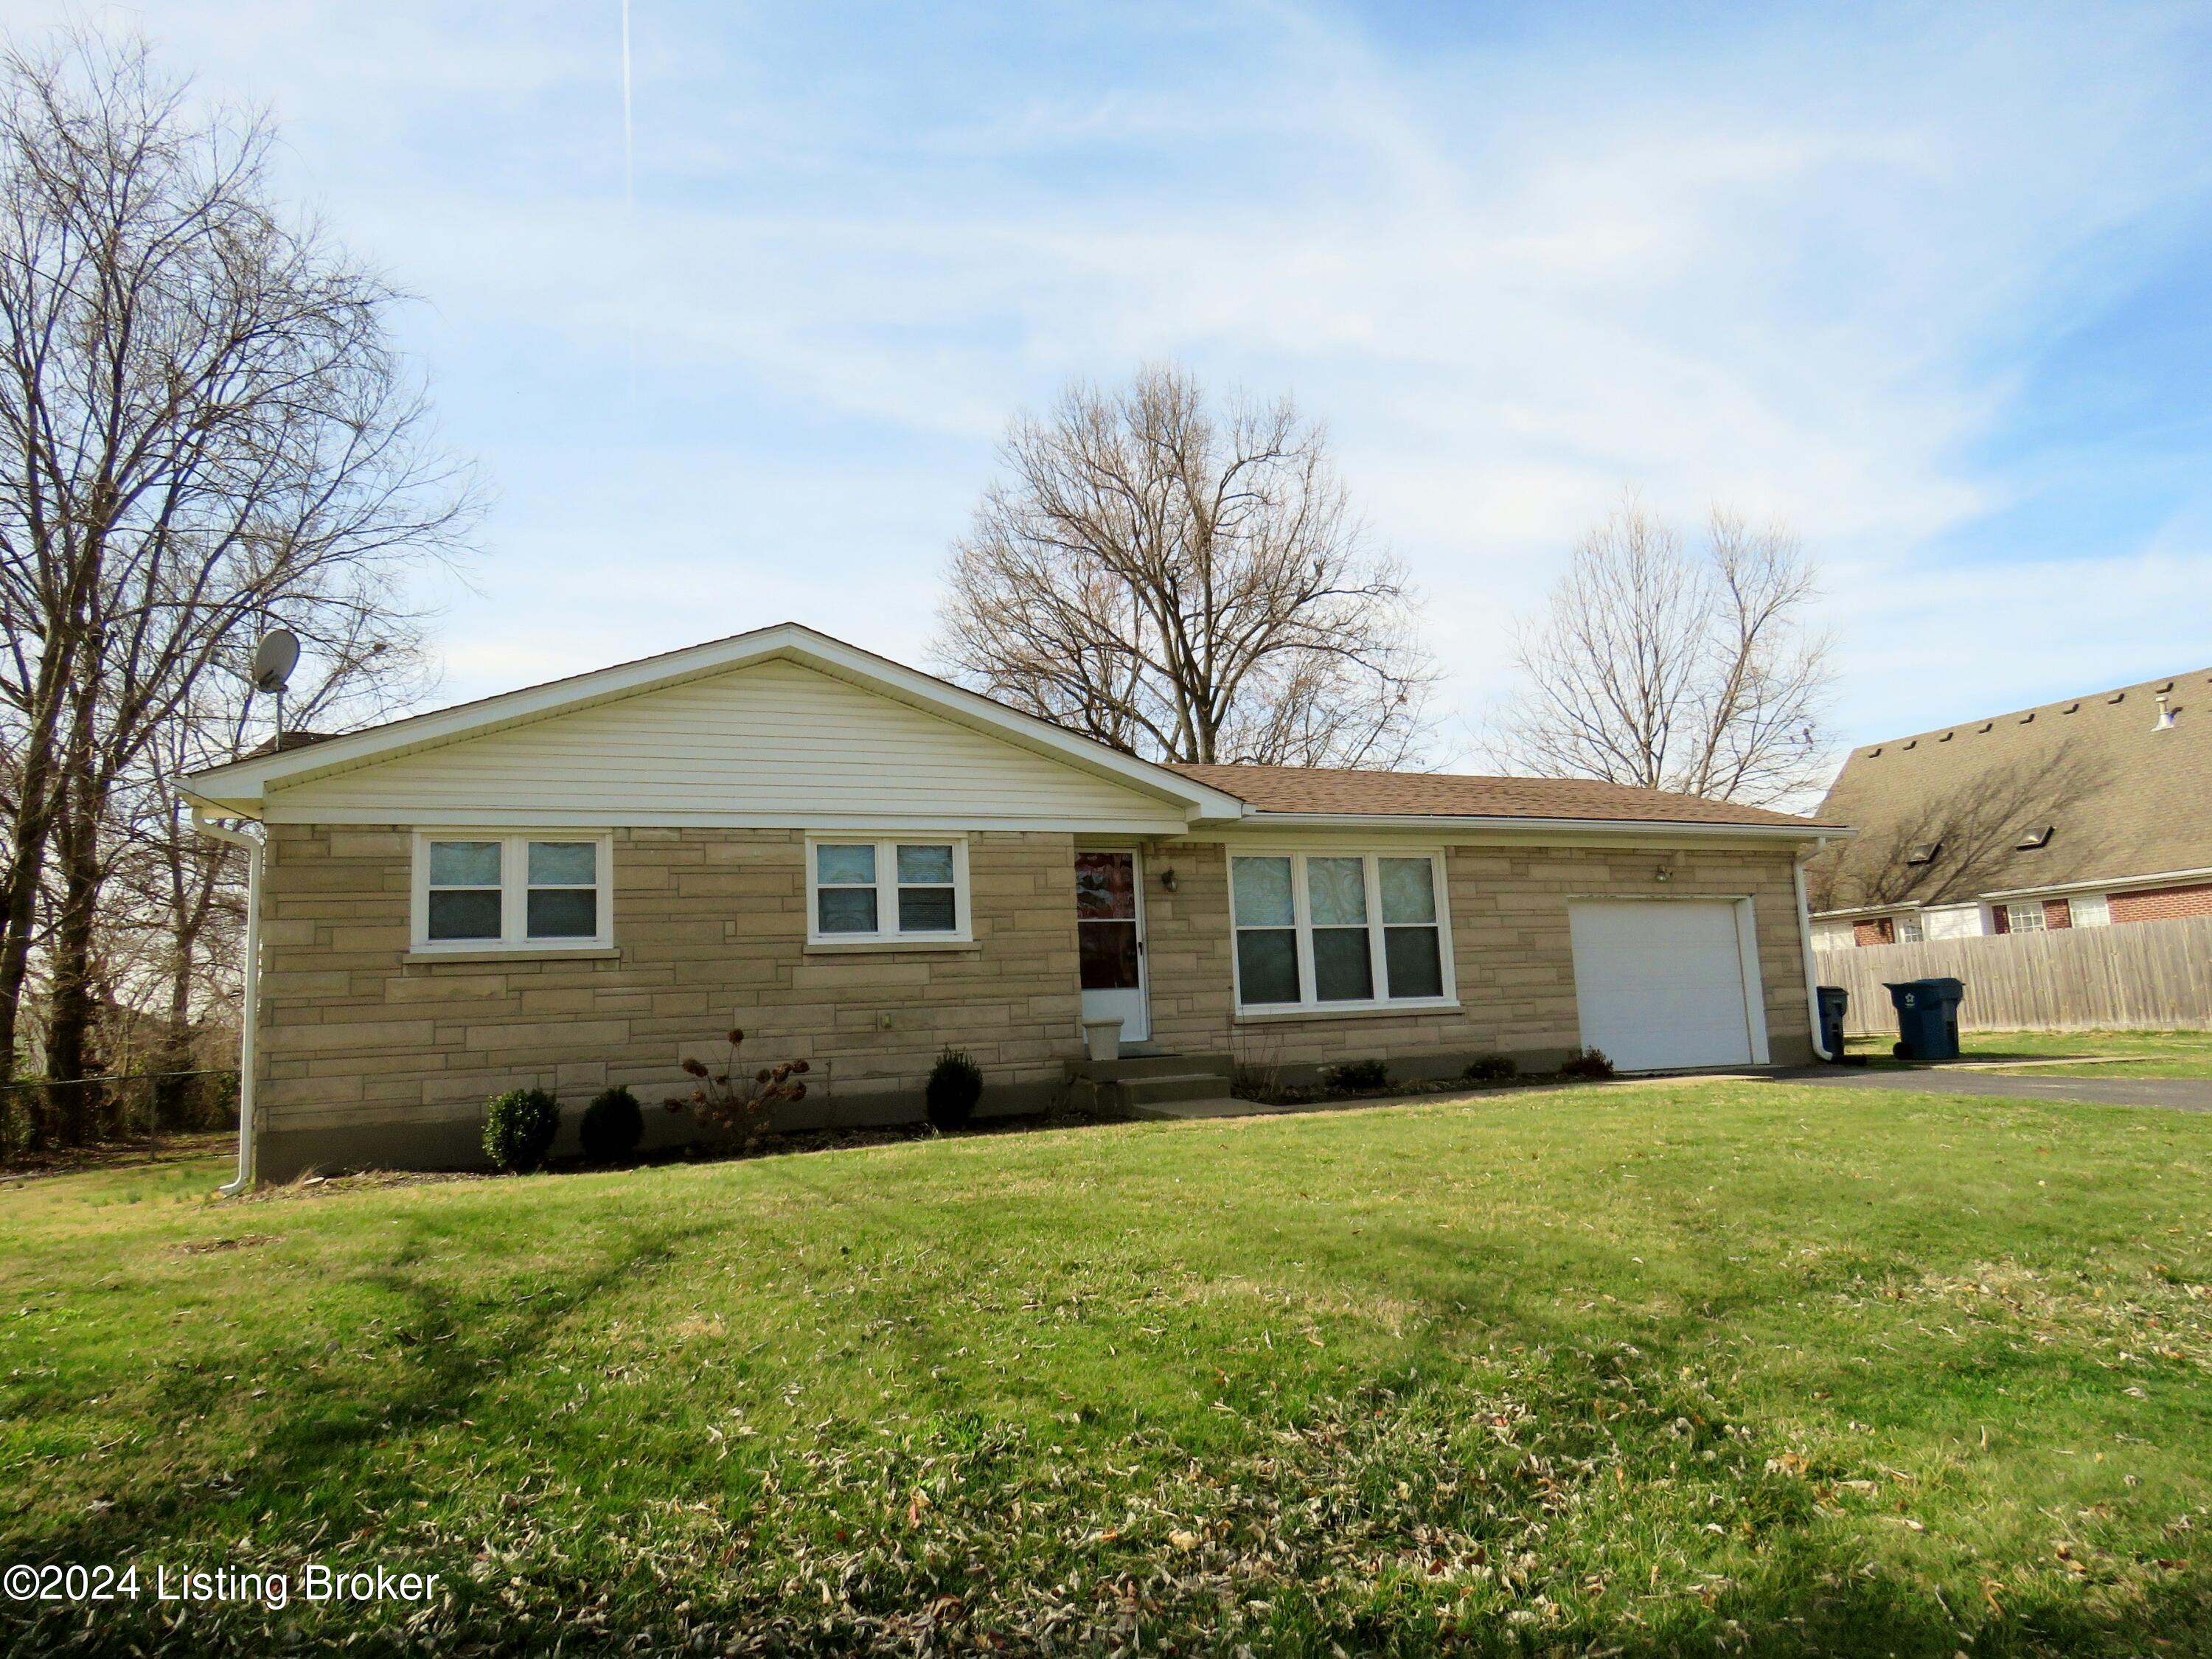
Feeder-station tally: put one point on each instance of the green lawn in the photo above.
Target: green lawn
(2134, 1053)
(2147, 1054)
(2175, 1068)
(1646, 1368)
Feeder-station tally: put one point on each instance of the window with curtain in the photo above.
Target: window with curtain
(562, 899)
(887, 891)
(1338, 930)
(465, 890)
(520, 891)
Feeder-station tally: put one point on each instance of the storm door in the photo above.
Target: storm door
(1109, 928)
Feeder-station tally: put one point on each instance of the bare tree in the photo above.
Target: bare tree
(170, 901)
(168, 919)
(203, 428)
(1666, 669)
(1186, 586)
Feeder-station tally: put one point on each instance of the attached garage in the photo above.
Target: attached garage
(1668, 984)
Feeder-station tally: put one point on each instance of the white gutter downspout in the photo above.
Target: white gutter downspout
(249, 1127)
(1805, 948)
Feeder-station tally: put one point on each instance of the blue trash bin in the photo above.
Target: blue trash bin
(1927, 1018)
(1835, 1003)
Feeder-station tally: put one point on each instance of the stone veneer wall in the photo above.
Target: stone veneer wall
(1512, 952)
(366, 1057)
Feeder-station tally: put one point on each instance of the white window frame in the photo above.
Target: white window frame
(887, 936)
(1311, 1005)
(513, 894)
(2015, 908)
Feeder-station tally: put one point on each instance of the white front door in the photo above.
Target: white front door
(1109, 930)
(1662, 983)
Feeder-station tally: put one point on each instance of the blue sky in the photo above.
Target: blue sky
(1932, 283)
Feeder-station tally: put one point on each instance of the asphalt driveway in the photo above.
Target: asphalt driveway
(2174, 1094)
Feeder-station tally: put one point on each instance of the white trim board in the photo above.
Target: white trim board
(826, 822)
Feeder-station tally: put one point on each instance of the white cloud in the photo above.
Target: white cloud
(1795, 265)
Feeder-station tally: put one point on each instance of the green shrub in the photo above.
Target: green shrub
(519, 1128)
(956, 1084)
(1587, 1064)
(1491, 1068)
(613, 1125)
(1357, 1074)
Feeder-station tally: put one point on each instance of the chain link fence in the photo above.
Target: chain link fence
(40, 1114)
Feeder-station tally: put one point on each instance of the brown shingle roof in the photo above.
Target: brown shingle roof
(2120, 797)
(1436, 794)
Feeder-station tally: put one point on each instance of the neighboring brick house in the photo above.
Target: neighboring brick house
(2087, 812)
(586, 882)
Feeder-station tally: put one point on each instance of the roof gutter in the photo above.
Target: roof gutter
(2119, 883)
(1897, 908)
(1805, 950)
(249, 1122)
(1994, 894)
(1434, 821)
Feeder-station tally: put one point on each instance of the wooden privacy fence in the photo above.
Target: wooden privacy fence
(2138, 976)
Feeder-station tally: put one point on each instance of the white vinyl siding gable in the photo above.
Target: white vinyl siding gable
(772, 744)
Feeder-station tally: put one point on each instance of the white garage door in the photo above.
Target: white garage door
(1660, 983)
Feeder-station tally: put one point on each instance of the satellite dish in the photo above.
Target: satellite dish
(274, 658)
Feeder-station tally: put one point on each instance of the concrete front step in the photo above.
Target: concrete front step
(1161, 1090)
(1205, 1106)
(1137, 1065)
(1136, 1084)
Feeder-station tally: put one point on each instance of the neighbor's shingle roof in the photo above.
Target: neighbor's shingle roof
(1433, 794)
(2120, 798)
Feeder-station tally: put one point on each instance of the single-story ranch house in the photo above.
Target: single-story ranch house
(585, 882)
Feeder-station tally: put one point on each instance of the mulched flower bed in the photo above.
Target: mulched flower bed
(1322, 1094)
(786, 1145)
